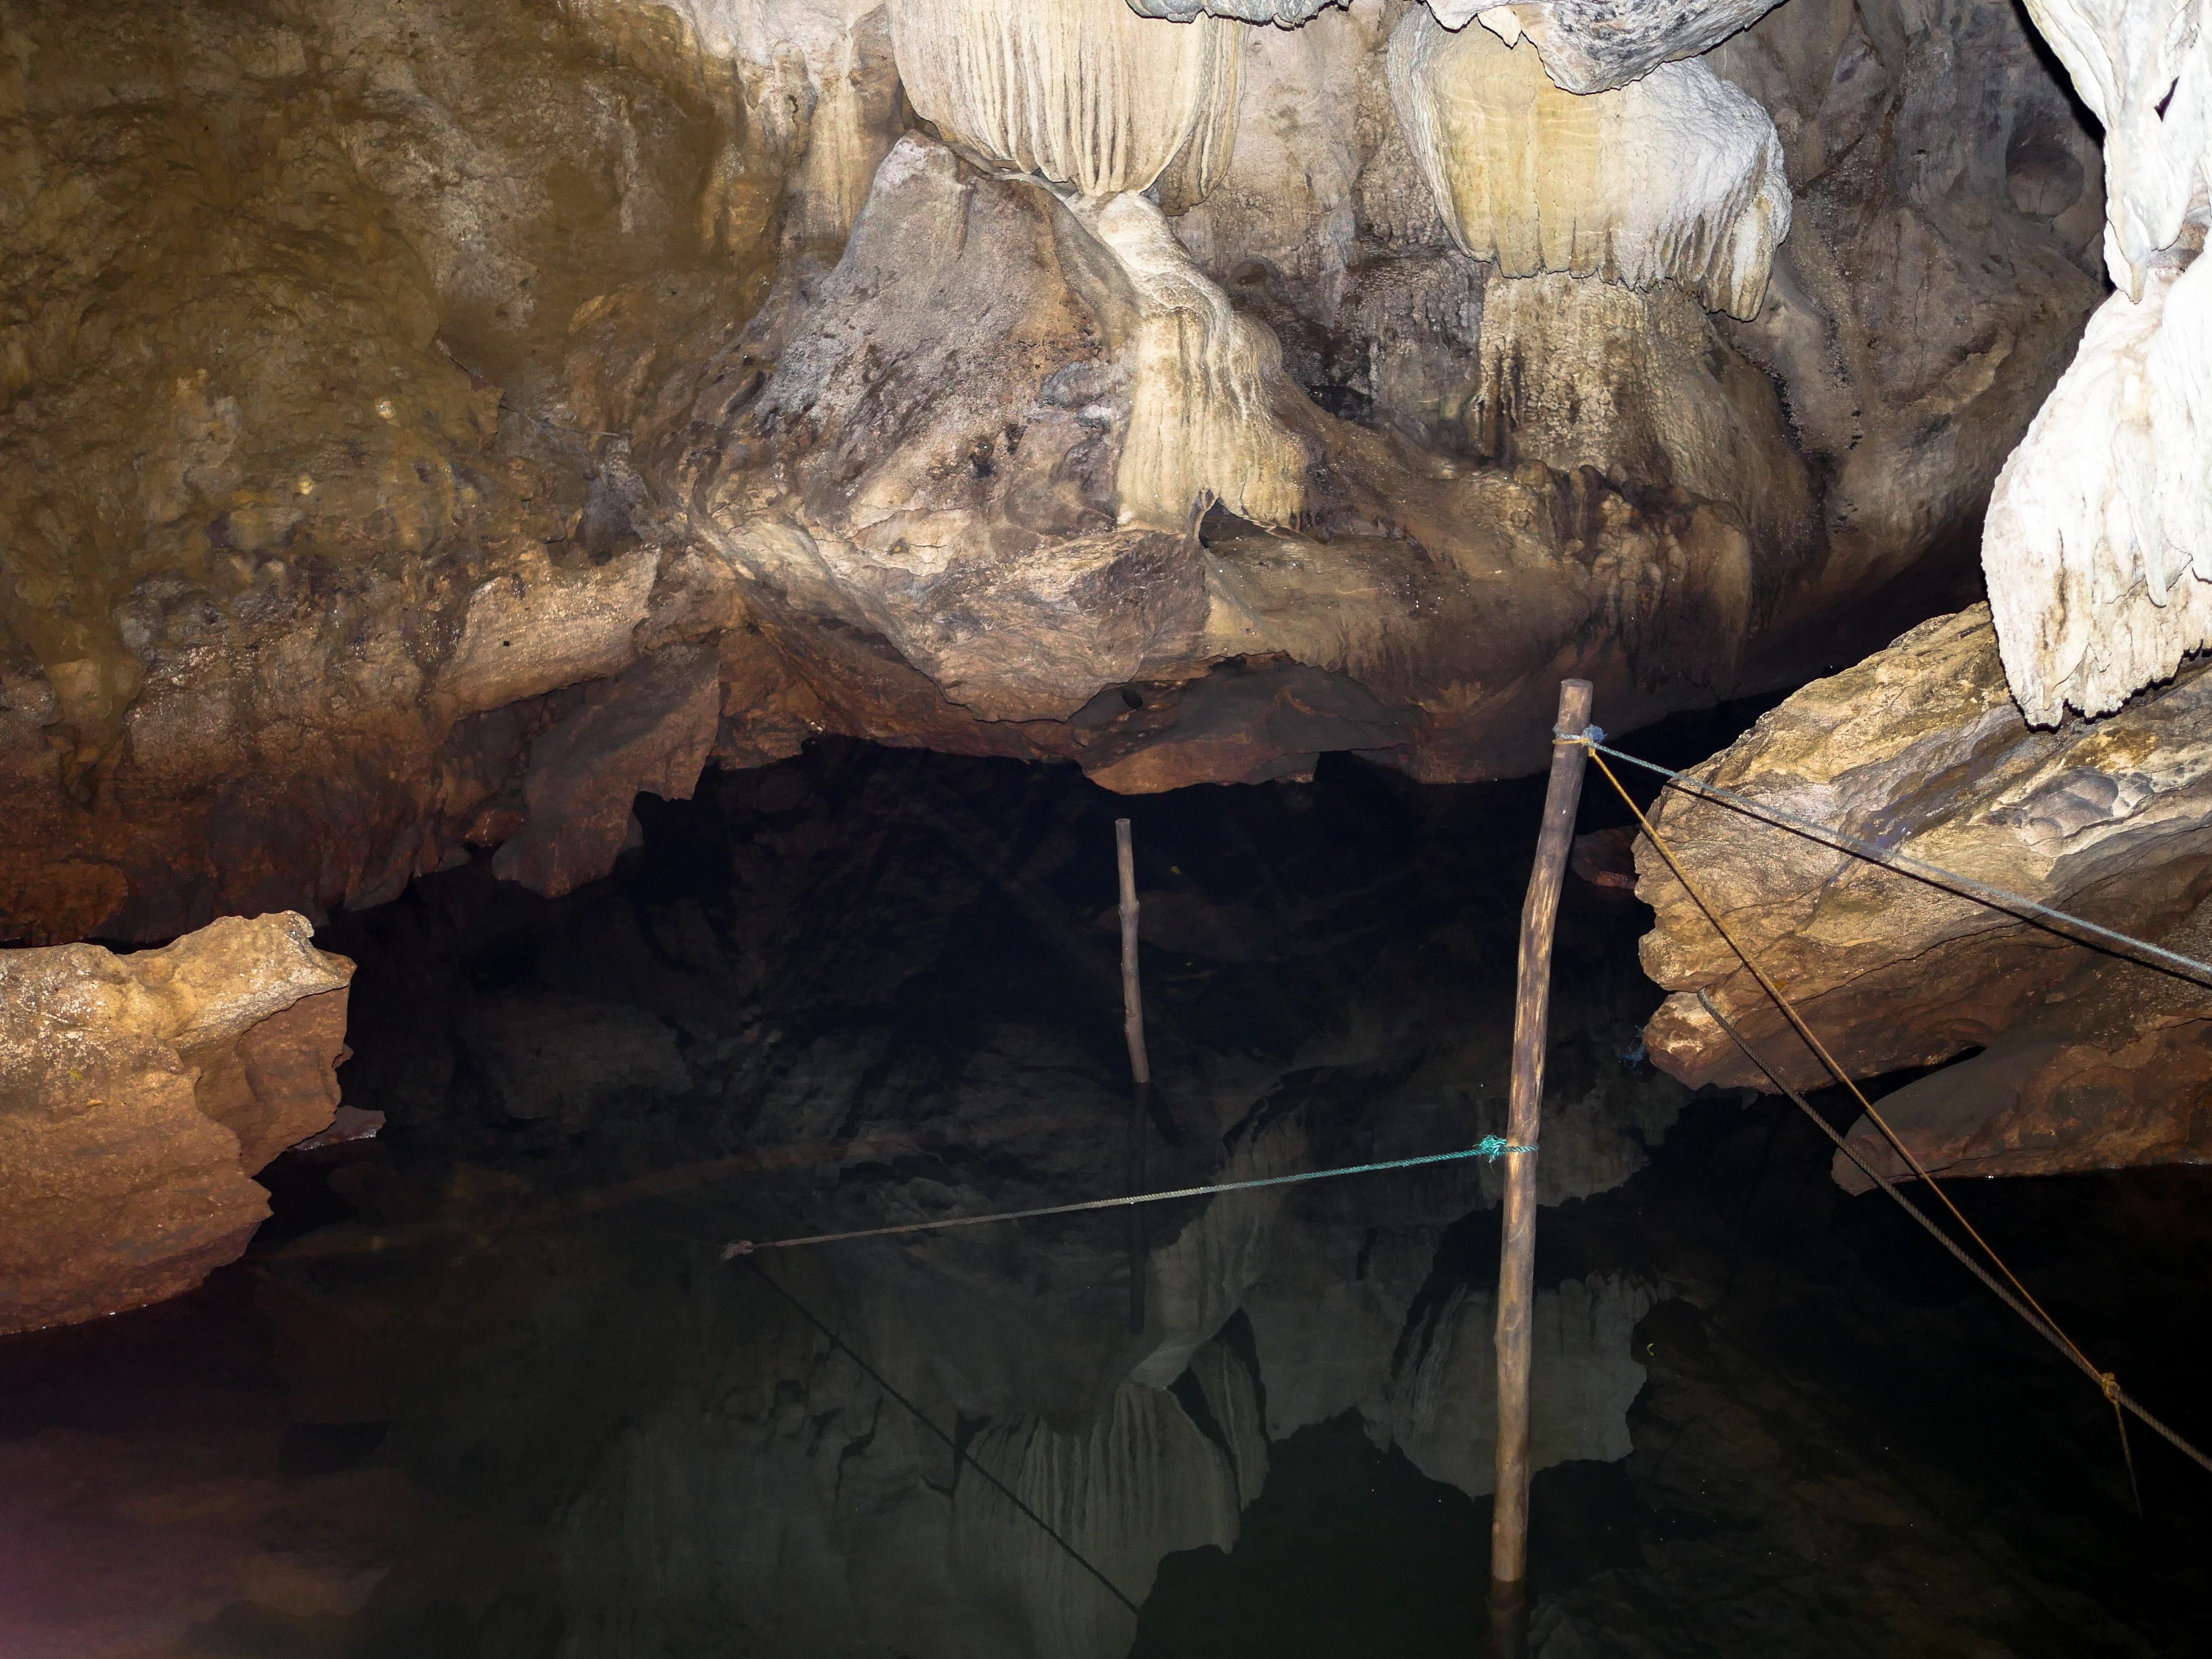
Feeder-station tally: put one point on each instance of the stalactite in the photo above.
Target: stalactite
(1676, 177)
(2099, 543)
(1083, 93)
(1203, 380)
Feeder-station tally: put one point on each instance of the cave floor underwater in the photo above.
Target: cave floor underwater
(483, 1386)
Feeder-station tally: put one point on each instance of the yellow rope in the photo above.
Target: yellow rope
(2111, 1382)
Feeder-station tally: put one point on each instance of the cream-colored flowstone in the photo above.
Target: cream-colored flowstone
(2099, 545)
(1083, 93)
(1202, 379)
(1100, 104)
(1677, 177)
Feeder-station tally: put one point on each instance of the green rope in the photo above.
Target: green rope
(1490, 1146)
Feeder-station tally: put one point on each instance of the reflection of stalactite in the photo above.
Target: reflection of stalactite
(1202, 378)
(1141, 1482)
(1198, 1280)
(1443, 1411)
(1678, 176)
(1083, 93)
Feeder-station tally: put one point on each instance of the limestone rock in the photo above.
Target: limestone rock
(138, 1095)
(1677, 177)
(654, 381)
(1920, 751)
(2052, 1095)
(1578, 372)
(2112, 1069)
(272, 547)
(1202, 381)
(1906, 393)
(648, 730)
(1283, 14)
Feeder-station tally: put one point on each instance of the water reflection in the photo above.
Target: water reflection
(486, 1387)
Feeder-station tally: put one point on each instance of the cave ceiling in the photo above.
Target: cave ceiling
(428, 425)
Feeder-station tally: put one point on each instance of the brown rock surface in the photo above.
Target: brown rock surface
(138, 1095)
(1920, 749)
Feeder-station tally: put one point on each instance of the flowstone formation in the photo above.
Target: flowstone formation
(2099, 543)
(576, 397)
(138, 1096)
(1677, 177)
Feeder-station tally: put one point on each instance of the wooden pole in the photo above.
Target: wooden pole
(1509, 1525)
(1141, 1069)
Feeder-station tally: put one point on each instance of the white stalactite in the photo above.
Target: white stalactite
(2099, 543)
(2144, 67)
(1676, 177)
(1083, 93)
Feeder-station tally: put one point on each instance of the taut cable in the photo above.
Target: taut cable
(2024, 1302)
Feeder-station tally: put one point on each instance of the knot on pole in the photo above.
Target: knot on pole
(1586, 737)
(1496, 1147)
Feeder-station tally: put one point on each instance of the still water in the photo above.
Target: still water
(484, 1386)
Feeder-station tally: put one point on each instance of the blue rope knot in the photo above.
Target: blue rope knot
(1494, 1146)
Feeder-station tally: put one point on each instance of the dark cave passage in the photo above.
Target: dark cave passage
(488, 1369)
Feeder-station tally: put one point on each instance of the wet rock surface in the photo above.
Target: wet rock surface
(138, 1096)
(2110, 1070)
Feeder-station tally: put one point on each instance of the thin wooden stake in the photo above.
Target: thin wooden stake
(1509, 1525)
(1140, 1068)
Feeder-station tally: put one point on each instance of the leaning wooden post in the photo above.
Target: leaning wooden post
(1509, 1525)
(1141, 1069)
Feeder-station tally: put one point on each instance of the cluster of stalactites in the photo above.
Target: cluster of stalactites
(1587, 46)
(1086, 94)
(1676, 177)
(2099, 545)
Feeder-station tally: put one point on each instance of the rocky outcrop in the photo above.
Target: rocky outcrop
(648, 332)
(2089, 1059)
(138, 1096)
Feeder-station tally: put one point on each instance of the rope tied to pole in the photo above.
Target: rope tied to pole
(2024, 1302)
(1489, 1148)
